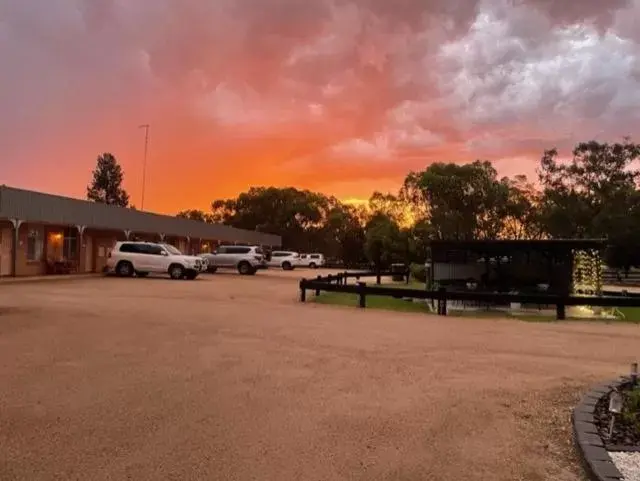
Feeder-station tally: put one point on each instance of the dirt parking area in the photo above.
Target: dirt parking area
(229, 378)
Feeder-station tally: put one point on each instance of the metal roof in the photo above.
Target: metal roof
(31, 206)
(502, 245)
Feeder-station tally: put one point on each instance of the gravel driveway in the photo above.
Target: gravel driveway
(230, 378)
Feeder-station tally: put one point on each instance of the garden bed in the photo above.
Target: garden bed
(625, 435)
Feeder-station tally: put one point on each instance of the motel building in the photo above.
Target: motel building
(44, 234)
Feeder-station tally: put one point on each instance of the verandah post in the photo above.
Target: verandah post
(362, 301)
(442, 301)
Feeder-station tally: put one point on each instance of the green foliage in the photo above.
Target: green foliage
(385, 242)
(631, 408)
(594, 195)
(195, 214)
(419, 272)
(469, 201)
(106, 185)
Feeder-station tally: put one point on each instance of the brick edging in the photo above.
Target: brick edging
(594, 456)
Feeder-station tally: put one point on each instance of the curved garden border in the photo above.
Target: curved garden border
(595, 457)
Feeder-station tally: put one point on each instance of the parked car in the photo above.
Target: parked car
(311, 260)
(143, 258)
(246, 259)
(287, 260)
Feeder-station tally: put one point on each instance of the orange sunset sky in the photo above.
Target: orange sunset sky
(338, 96)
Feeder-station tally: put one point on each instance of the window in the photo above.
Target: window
(129, 248)
(70, 243)
(238, 250)
(315, 256)
(153, 249)
(172, 250)
(35, 243)
(221, 250)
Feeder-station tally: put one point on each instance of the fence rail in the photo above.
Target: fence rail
(339, 283)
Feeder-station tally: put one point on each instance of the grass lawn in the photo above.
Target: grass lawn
(373, 302)
(631, 314)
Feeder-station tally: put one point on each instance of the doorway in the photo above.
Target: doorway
(6, 244)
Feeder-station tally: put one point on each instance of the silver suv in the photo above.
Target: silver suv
(245, 259)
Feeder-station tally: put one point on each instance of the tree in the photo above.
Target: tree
(195, 214)
(385, 242)
(590, 195)
(106, 185)
(459, 201)
(296, 215)
(394, 207)
(521, 217)
(343, 235)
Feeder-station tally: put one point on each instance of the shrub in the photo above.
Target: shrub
(631, 411)
(419, 272)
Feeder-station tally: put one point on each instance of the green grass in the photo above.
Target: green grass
(631, 314)
(373, 302)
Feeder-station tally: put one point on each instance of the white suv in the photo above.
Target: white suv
(288, 260)
(311, 260)
(143, 258)
(246, 259)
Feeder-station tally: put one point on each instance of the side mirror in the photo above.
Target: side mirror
(164, 253)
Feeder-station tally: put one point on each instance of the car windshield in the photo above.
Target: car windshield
(172, 250)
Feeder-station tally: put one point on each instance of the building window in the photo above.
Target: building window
(35, 243)
(70, 244)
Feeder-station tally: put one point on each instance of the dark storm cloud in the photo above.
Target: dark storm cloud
(456, 68)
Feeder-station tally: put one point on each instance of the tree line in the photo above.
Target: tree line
(592, 194)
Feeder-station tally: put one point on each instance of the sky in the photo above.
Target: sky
(338, 96)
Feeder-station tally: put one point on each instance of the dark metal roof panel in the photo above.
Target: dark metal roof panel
(53, 209)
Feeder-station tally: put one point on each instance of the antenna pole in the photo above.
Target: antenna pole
(144, 162)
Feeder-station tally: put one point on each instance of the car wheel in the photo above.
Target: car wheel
(286, 265)
(176, 271)
(244, 268)
(142, 274)
(313, 265)
(124, 269)
(191, 276)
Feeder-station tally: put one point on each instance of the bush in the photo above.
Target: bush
(419, 272)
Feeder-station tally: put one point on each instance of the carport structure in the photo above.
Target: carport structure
(43, 233)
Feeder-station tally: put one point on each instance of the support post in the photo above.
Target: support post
(442, 301)
(17, 223)
(127, 234)
(161, 237)
(317, 289)
(362, 300)
(560, 311)
(303, 291)
(80, 249)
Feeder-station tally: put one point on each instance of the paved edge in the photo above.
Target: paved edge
(591, 448)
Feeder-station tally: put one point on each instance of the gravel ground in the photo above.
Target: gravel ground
(230, 378)
(628, 464)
